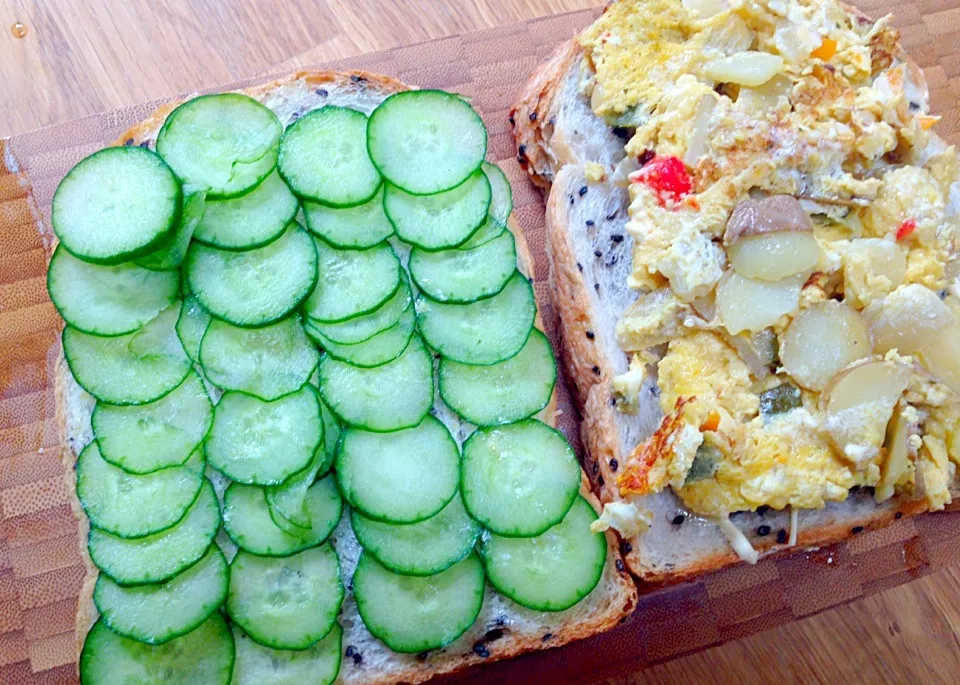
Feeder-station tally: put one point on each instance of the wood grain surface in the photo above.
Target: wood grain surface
(80, 57)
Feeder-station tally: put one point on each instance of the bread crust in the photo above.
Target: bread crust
(621, 593)
(588, 368)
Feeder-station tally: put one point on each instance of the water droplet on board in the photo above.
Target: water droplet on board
(19, 29)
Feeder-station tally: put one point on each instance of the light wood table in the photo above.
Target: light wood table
(80, 57)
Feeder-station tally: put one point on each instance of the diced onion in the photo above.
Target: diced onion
(821, 341)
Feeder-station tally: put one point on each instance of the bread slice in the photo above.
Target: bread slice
(503, 628)
(557, 134)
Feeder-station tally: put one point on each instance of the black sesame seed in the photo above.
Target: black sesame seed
(351, 650)
(597, 253)
(589, 223)
(596, 286)
(763, 509)
(501, 620)
(492, 635)
(580, 266)
(655, 391)
(620, 565)
(898, 515)
(357, 659)
(621, 132)
(914, 106)
(596, 370)
(781, 537)
(571, 199)
(480, 650)
(763, 530)
(612, 215)
(145, 145)
(679, 519)
(612, 262)
(357, 79)
(614, 464)
(547, 636)
(533, 116)
(128, 141)
(513, 122)
(856, 529)
(613, 401)
(595, 467)
(590, 335)
(422, 656)
(645, 157)
(583, 190)
(617, 238)
(322, 92)
(600, 481)
(626, 548)
(522, 149)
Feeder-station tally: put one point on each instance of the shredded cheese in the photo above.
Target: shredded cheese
(741, 545)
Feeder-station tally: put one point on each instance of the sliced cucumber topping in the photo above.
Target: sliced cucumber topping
(158, 557)
(519, 479)
(191, 326)
(352, 282)
(426, 141)
(435, 222)
(380, 349)
(171, 253)
(264, 443)
(351, 227)
(501, 203)
(323, 157)
(116, 204)
(401, 477)
(257, 218)
(488, 231)
(107, 300)
(509, 391)
(204, 655)
(552, 571)
(289, 499)
(462, 276)
(148, 437)
(159, 612)
(412, 614)
(133, 506)
(483, 332)
(364, 327)
(268, 362)
(246, 518)
(392, 396)
(316, 665)
(225, 142)
(258, 286)
(136, 368)
(286, 603)
(419, 549)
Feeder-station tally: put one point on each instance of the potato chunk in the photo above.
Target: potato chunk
(821, 341)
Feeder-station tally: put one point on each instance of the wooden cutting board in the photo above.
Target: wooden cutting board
(744, 624)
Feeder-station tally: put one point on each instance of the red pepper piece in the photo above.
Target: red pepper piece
(907, 227)
(667, 177)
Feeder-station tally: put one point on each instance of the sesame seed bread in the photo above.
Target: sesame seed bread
(557, 133)
(518, 629)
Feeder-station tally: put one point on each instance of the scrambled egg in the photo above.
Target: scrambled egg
(759, 99)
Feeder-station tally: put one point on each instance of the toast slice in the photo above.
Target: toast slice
(503, 628)
(558, 138)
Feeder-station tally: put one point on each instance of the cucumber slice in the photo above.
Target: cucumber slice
(411, 614)
(246, 518)
(205, 655)
(426, 141)
(159, 557)
(250, 221)
(483, 332)
(352, 282)
(419, 549)
(134, 506)
(483, 235)
(378, 350)
(351, 227)
(225, 142)
(267, 362)
(191, 325)
(157, 613)
(331, 437)
(258, 286)
(136, 368)
(115, 205)
(519, 479)
(364, 327)
(323, 157)
(174, 249)
(552, 571)
(107, 300)
(286, 603)
(512, 390)
(148, 437)
(436, 222)
(264, 443)
(289, 499)
(501, 202)
(396, 395)
(401, 477)
(316, 665)
(462, 276)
